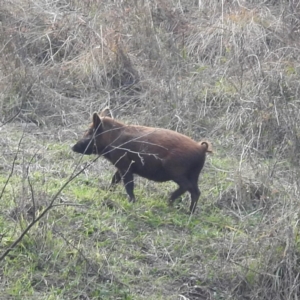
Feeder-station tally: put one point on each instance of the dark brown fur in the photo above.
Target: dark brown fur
(154, 153)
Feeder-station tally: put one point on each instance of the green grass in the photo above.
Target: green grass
(98, 244)
(86, 236)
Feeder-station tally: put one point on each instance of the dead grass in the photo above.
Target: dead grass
(228, 72)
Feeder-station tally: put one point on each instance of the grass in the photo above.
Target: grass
(112, 251)
(97, 243)
(226, 73)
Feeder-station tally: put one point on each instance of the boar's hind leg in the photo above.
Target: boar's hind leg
(129, 184)
(195, 194)
(183, 187)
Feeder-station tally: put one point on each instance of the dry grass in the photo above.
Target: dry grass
(225, 71)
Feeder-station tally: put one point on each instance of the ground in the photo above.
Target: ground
(224, 72)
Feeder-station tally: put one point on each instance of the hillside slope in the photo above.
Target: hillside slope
(225, 71)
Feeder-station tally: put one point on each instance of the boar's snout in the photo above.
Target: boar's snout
(83, 147)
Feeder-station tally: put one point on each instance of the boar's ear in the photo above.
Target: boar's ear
(106, 112)
(96, 120)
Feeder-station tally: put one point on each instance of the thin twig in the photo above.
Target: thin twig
(34, 221)
(12, 167)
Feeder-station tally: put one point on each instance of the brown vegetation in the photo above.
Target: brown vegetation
(226, 71)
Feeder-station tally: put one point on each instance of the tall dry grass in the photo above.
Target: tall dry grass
(223, 70)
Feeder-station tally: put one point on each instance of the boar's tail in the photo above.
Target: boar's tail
(206, 146)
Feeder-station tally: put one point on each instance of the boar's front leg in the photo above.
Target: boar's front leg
(115, 180)
(127, 177)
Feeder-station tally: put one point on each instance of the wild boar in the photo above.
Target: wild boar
(154, 153)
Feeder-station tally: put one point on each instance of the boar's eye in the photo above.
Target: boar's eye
(89, 132)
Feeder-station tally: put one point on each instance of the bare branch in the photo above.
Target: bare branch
(48, 208)
(12, 166)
